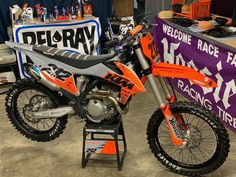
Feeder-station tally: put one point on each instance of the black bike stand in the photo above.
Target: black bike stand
(105, 146)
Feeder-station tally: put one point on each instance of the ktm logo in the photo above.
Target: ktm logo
(119, 80)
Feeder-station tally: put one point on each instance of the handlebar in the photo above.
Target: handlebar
(115, 41)
(131, 33)
(111, 43)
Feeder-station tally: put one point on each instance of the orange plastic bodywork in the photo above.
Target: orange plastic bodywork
(172, 70)
(128, 76)
(182, 72)
(131, 76)
(124, 96)
(143, 79)
(149, 47)
(68, 84)
(129, 82)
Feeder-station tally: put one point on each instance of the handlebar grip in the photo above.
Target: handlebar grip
(136, 30)
(112, 43)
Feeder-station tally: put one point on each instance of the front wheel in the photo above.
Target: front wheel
(208, 140)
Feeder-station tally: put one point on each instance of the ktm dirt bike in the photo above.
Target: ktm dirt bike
(183, 136)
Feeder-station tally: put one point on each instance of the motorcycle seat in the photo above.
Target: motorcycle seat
(80, 61)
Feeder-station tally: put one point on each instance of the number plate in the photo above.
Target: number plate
(149, 47)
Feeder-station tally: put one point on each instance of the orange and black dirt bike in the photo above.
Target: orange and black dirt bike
(183, 136)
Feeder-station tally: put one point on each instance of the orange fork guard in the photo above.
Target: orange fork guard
(178, 141)
(176, 71)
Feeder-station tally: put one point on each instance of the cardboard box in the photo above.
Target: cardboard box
(6, 55)
(7, 77)
(124, 8)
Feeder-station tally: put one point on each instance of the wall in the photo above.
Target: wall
(152, 7)
(223, 9)
(102, 9)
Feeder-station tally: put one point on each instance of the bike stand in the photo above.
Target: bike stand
(103, 146)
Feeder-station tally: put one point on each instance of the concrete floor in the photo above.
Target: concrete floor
(20, 157)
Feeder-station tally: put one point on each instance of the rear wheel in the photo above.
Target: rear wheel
(208, 141)
(27, 96)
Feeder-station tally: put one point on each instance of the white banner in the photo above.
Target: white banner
(80, 36)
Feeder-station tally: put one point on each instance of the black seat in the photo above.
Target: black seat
(74, 59)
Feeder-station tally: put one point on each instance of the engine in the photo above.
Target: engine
(102, 106)
(100, 110)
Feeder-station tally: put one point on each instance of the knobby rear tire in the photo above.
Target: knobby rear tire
(17, 121)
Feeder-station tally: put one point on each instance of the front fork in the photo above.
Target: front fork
(171, 120)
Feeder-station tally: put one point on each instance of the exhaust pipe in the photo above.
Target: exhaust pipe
(34, 72)
(117, 106)
(52, 113)
(100, 94)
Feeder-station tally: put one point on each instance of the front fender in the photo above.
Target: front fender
(176, 71)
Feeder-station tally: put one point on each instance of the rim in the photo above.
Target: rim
(202, 142)
(34, 100)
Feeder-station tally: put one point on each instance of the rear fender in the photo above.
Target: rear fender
(182, 72)
(19, 46)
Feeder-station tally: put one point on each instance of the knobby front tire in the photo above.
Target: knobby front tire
(178, 165)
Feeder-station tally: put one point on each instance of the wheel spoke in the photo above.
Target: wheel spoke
(46, 123)
(195, 157)
(192, 120)
(43, 124)
(174, 151)
(167, 145)
(26, 95)
(187, 118)
(31, 98)
(201, 124)
(205, 150)
(165, 125)
(166, 132)
(202, 128)
(178, 154)
(205, 137)
(203, 153)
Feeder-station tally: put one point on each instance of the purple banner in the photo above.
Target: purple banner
(178, 45)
